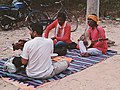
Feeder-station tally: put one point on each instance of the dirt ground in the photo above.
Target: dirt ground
(102, 76)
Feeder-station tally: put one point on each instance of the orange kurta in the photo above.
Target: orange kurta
(66, 35)
(95, 34)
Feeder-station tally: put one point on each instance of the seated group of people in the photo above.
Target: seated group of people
(36, 53)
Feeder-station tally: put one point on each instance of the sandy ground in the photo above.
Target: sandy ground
(102, 76)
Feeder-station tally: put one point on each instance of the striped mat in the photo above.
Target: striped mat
(79, 63)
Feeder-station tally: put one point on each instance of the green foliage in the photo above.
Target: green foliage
(107, 7)
(5, 2)
(110, 8)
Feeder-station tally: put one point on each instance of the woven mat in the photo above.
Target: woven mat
(78, 63)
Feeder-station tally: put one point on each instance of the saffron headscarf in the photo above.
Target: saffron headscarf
(93, 17)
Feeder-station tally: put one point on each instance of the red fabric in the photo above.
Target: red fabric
(59, 32)
(77, 46)
(94, 34)
(67, 32)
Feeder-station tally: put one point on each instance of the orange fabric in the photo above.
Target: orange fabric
(93, 17)
(67, 32)
(59, 58)
(55, 41)
(60, 32)
(94, 35)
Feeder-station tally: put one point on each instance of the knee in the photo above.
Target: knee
(65, 63)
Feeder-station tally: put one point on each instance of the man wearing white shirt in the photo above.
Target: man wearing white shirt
(37, 55)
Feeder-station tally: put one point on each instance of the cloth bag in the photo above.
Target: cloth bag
(9, 66)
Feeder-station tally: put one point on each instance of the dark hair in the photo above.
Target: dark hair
(37, 27)
(62, 15)
(94, 14)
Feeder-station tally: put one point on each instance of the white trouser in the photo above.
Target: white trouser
(91, 51)
(58, 67)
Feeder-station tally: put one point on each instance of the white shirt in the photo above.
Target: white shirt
(38, 51)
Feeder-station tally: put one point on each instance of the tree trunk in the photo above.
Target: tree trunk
(92, 7)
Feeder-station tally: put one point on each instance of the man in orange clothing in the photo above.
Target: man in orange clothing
(62, 32)
(97, 36)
